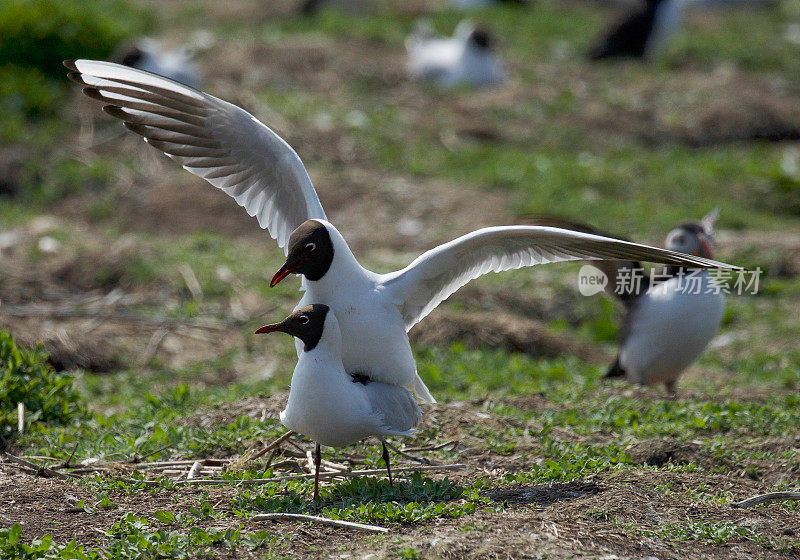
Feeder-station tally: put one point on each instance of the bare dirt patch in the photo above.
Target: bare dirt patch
(501, 331)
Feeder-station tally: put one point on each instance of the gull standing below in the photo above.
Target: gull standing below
(328, 405)
(236, 153)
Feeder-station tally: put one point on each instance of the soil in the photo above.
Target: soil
(614, 514)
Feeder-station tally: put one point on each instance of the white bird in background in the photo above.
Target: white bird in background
(465, 59)
(328, 405)
(177, 64)
(671, 317)
(236, 153)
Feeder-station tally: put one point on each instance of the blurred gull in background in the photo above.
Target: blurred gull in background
(670, 317)
(644, 31)
(641, 33)
(477, 4)
(467, 58)
(311, 7)
(177, 64)
(670, 322)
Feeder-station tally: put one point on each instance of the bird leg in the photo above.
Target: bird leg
(317, 463)
(386, 460)
(671, 387)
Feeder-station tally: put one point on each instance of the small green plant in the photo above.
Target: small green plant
(26, 377)
(40, 549)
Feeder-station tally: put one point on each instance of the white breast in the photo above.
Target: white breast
(375, 342)
(670, 327)
(325, 405)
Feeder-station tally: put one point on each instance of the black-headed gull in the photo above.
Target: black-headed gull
(177, 64)
(236, 153)
(642, 33)
(328, 405)
(670, 317)
(467, 58)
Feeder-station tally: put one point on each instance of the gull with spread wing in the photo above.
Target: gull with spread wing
(232, 150)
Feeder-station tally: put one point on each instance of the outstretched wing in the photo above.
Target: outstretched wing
(434, 275)
(214, 139)
(635, 278)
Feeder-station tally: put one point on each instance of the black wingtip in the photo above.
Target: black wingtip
(616, 370)
(76, 77)
(71, 64)
(137, 128)
(94, 93)
(115, 111)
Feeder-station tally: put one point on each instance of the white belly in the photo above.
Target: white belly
(374, 339)
(669, 329)
(326, 409)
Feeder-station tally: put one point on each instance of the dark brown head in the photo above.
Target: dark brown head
(306, 324)
(690, 238)
(132, 57)
(481, 38)
(310, 252)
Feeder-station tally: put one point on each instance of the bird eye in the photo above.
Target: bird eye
(303, 319)
(310, 246)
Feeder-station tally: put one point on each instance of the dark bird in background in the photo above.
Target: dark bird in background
(311, 7)
(475, 4)
(641, 33)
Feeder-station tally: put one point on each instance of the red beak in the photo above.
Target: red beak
(266, 329)
(284, 271)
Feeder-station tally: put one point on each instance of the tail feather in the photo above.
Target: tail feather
(616, 370)
(421, 391)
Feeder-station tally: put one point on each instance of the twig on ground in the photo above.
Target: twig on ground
(193, 472)
(322, 475)
(321, 521)
(65, 464)
(39, 470)
(402, 453)
(153, 345)
(138, 458)
(764, 498)
(300, 450)
(251, 455)
(20, 417)
(431, 447)
(273, 445)
(191, 280)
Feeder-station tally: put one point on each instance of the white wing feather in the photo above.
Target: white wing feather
(211, 138)
(434, 275)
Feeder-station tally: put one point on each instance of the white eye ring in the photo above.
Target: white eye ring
(303, 319)
(311, 246)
